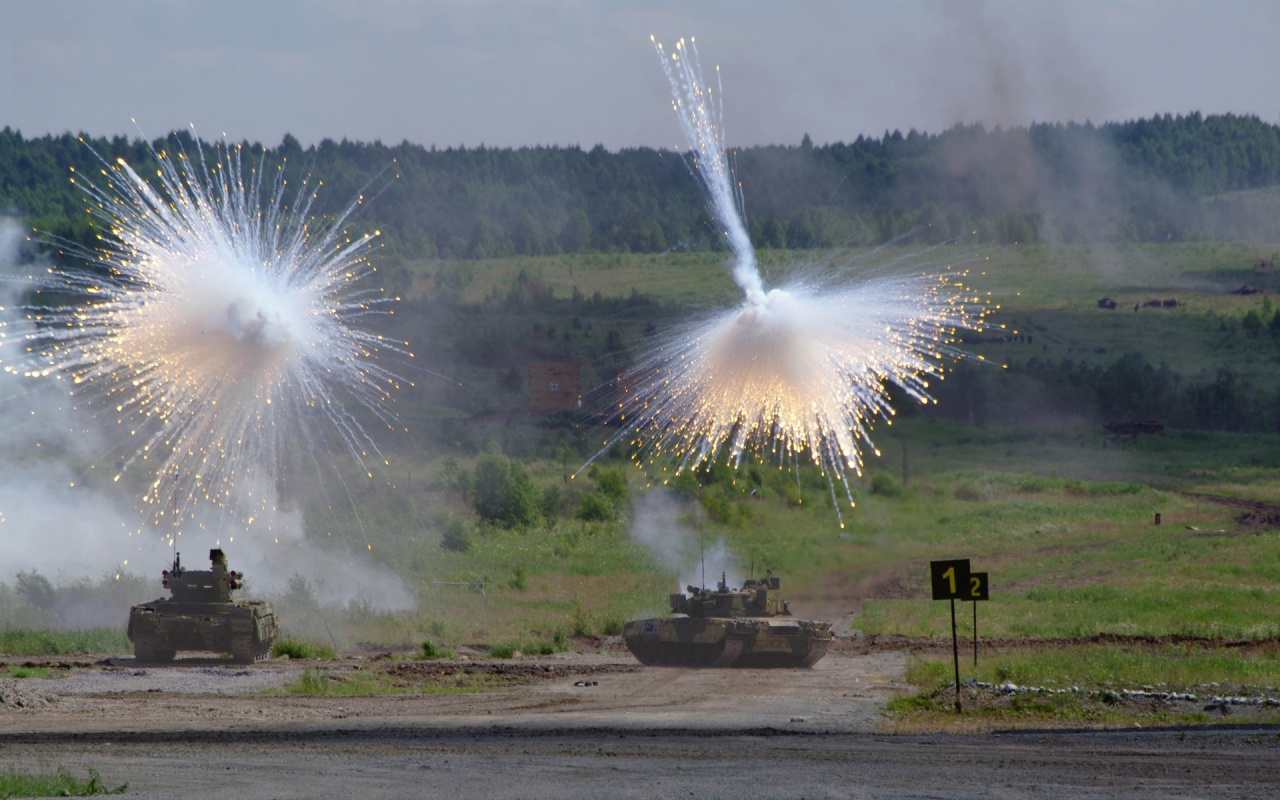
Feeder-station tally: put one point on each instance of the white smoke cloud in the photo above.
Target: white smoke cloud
(63, 515)
(661, 524)
(53, 519)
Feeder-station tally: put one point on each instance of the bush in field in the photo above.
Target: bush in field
(722, 506)
(608, 500)
(884, 484)
(432, 650)
(502, 650)
(313, 681)
(297, 648)
(502, 492)
(610, 482)
(552, 502)
(597, 507)
(456, 536)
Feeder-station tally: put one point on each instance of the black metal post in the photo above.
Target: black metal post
(955, 652)
(975, 635)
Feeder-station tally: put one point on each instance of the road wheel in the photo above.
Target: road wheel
(730, 650)
(708, 654)
(645, 652)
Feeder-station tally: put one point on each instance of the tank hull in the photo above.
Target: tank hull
(244, 628)
(727, 642)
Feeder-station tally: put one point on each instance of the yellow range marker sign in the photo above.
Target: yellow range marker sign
(952, 580)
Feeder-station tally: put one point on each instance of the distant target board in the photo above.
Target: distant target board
(554, 387)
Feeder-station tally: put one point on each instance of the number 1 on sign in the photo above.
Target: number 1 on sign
(950, 575)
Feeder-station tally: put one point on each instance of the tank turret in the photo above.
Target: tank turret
(200, 614)
(721, 627)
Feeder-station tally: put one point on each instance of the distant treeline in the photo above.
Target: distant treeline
(1042, 391)
(1158, 179)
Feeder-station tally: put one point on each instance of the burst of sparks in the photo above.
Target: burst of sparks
(797, 370)
(218, 327)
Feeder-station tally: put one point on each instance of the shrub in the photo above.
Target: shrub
(503, 493)
(432, 650)
(297, 648)
(313, 681)
(596, 507)
(502, 650)
(884, 484)
(456, 536)
(722, 508)
(610, 482)
(552, 501)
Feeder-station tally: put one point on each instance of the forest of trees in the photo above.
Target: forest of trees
(1158, 179)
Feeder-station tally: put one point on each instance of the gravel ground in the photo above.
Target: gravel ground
(580, 725)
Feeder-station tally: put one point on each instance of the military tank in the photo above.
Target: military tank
(200, 615)
(747, 627)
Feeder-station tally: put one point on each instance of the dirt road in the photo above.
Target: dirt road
(580, 725)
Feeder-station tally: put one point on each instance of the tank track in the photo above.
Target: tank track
(679, 654)
(145, 650)
(817, 649)
(244, 650)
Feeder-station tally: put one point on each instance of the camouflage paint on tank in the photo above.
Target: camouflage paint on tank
(751, 626)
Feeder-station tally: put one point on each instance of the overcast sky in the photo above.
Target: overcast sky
(563, 72)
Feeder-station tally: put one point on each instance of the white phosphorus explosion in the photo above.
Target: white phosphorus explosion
(801, 369)
(218, 329)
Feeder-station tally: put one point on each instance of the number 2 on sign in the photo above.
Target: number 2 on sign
(975, 586)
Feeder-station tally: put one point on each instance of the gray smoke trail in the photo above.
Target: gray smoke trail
(701, 118)
(660, 524)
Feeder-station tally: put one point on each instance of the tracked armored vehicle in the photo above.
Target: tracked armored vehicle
(201, 615)
(747, 627)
